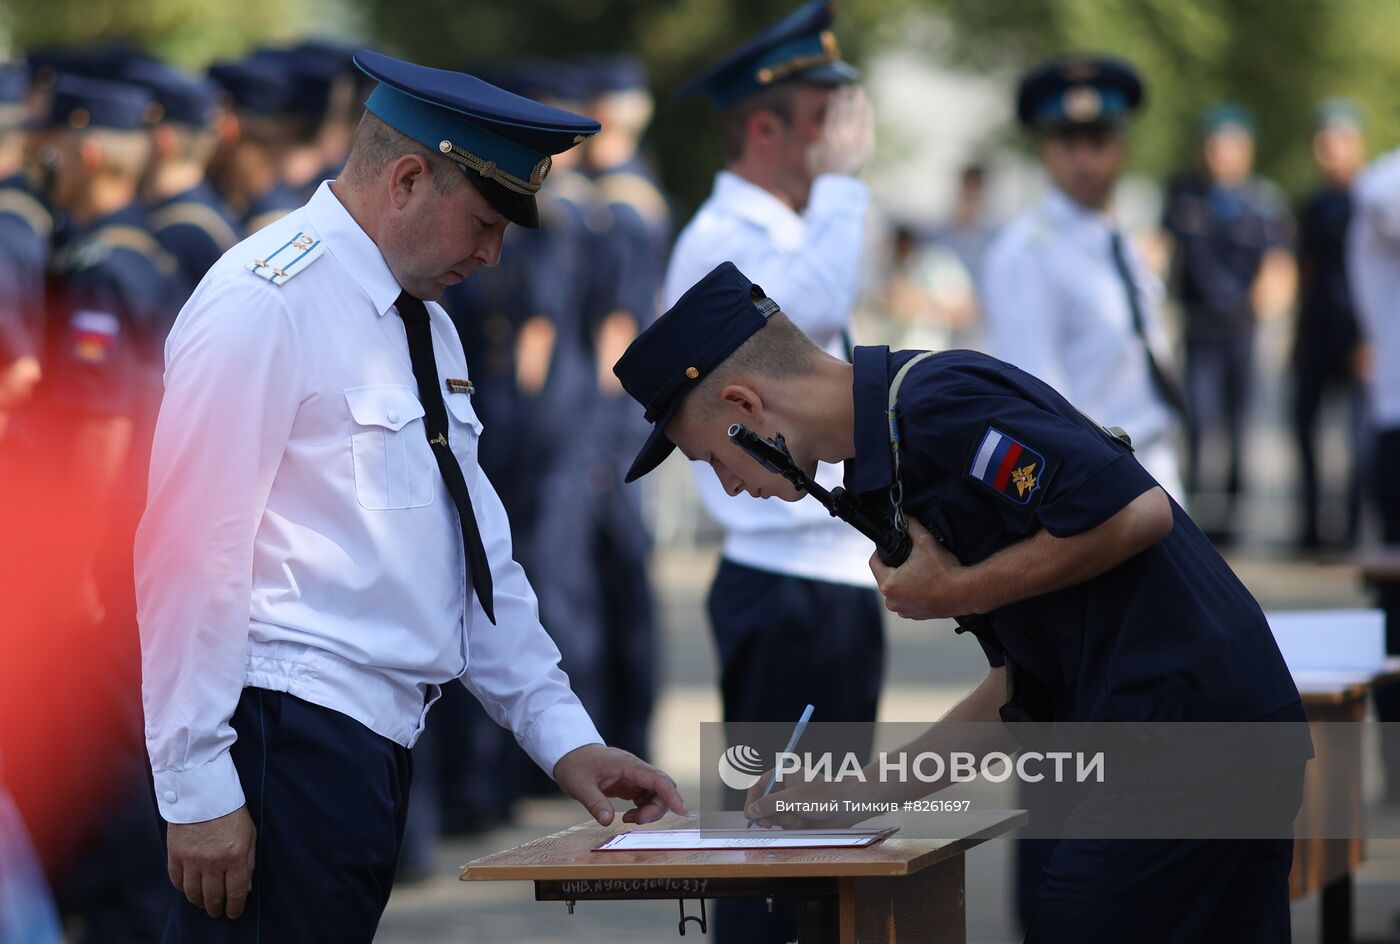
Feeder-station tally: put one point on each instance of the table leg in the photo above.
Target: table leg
(1336, 909)
(925, 908)
(818, 920)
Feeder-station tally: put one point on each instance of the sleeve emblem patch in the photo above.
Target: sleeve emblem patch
(1008, 467)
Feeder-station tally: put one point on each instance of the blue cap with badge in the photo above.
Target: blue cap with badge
(503, 142)
(799, 48)
(1078, 92)
(80, 103)
(183, 99)
(665, 362)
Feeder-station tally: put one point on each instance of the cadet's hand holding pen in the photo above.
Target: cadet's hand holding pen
(931, 584)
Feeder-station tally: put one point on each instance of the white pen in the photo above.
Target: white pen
(791, 746)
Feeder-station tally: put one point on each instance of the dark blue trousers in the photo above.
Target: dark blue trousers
(1169, 891)
(328, 797)
(785, 642)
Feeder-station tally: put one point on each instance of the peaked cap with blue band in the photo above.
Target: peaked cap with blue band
(799, 48)
(1078, 92)
(503, 142)
(682, 347)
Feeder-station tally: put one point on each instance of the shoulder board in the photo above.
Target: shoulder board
(290, 255)
(637, 192)
(191, 213)
(122, 236)
(28, 208)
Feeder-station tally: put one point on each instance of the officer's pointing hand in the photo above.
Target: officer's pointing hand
(592, 773)
(929, 585)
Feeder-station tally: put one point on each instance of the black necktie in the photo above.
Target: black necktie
(1166, 384)
(420, 352)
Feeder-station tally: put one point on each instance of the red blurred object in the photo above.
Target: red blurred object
(70, 721)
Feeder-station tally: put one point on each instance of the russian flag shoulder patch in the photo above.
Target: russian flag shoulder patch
(1007, 466)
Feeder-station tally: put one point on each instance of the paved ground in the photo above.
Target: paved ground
(928, 668)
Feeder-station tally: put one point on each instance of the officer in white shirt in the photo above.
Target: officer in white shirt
(794, 588)
(1065, 295)
(321, 553)
(1373, 266)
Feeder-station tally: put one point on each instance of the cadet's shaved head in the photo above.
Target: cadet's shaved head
(777, 351)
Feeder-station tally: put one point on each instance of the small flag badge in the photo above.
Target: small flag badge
(1008, 467)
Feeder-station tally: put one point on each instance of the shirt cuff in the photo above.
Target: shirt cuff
(556, 731)
(200, 793)
(1096, 499)
(838, 192)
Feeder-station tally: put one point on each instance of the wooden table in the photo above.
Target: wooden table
(905, 888)
(1326, 866)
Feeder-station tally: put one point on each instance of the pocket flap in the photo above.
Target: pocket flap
(391, 406)
(460, 407)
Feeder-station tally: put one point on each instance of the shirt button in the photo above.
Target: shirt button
(170, 796)
(150, 732)
(393, 416)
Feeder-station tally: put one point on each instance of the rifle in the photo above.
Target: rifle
(891, 543)
(1025, 698)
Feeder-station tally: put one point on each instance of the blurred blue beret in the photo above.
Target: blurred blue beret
(1227, 116)
(81, 103)
(257, 87)
(183, 99)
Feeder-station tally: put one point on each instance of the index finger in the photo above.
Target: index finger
(659, 783)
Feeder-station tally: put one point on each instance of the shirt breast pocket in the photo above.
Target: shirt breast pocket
(393, 462)
(465, 431)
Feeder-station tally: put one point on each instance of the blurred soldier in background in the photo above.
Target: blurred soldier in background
(112, 301)
(25, 226)
(638, 240)
(1328, 348)
(1230, 236)
(1066, 297)
(255, 134)
(345, 103)
(794, 589)
(312, 83)
(1373, 263)
(187, 217)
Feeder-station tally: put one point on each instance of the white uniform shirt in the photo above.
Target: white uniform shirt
(1373, 263)
(298, 535)
(1056, 307)
(809, 264)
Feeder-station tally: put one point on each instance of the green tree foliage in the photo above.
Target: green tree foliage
(190, 33)
(1280, 58)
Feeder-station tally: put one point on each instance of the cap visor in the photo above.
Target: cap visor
(519, 208)
(657, 448)
(830, 73)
